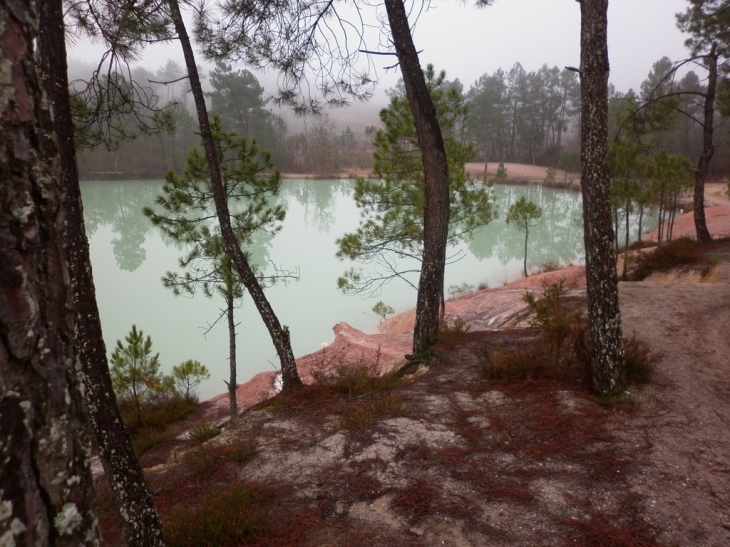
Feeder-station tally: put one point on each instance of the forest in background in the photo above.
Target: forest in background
(513, 116)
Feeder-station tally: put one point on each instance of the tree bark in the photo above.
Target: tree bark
(708, 148)
(279, 335)
(524, 262)
(140, 522)
(46, 493)
(604, 315)
(232, 382)
(436, 181)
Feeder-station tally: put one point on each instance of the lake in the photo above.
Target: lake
(129, 257)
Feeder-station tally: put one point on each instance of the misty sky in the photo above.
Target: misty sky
(467, 42)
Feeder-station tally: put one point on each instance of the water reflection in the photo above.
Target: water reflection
(557, 238)
(318, 197)
(119, 205)
(129, 256)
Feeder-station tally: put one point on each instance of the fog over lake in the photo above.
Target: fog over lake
(129, 257)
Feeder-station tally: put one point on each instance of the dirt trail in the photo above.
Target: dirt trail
(685, 414)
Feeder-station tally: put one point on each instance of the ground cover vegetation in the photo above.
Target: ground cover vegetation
(538, 412)
(148, 399)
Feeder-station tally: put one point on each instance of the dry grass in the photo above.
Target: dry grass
(203, 432)
(356, 394)
(668, 255)
(236, 516)
(452, 332)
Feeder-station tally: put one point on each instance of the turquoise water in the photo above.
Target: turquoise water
(129, 256)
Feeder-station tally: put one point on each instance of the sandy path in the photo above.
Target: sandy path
(685, 414)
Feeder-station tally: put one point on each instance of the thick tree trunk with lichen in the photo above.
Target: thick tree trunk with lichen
(436, 181)
(279, 335)
(708, 148)
(46, 494)
(140, 523)
(604, 316)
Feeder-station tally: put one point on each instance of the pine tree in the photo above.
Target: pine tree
(524, 214)
(188, 216)
(392, 205)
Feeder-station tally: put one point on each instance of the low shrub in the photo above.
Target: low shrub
(452, 332)
(639, 361)
(560, 350)
(147, 438)
(550, 266)
(241, 451)
(157, 412)
(356, 394)
(417, 499)
(668, 255)
(203, 432)
(354, 380)
(235, 517)
(201, 460)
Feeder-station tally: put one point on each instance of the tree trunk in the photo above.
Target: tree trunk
(625, 275)
(641, 218)
(604, 315)
(436, 181)
(232, 382)
(46, 491)
(140, 523)
(524, 263)
(708, 148)
(279, 335)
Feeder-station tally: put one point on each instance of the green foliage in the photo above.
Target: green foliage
(550, 174)
(524, 213)
(188, 214)
(135, 371)
(112, 107)
(567, 164)
(203, 432)
(553, 321)
(560, 350)
(382, 310)
(188, 375)
(671, 174)
(238, 99)
(630, 189)
(501, 174)
(707, 22)
(522, 116)
(392, 205)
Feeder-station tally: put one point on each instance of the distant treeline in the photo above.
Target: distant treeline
(514, 116)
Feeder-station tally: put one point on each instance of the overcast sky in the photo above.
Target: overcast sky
(467, 42)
